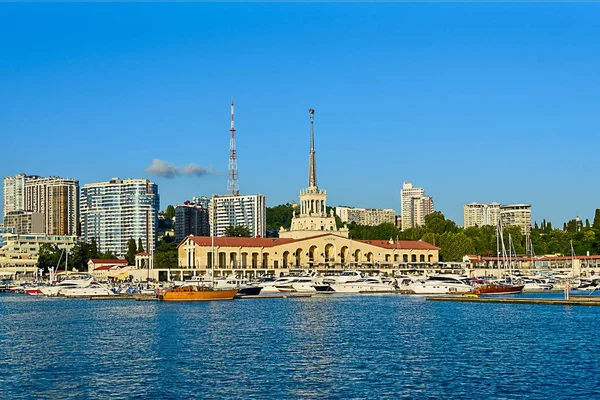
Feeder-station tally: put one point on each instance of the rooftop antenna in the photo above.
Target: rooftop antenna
(312, 173)
(233, 184)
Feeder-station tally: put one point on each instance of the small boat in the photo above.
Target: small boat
(197, 293)
(440, 284)
(372, 284)
(93, 289)
(241, 284)
(499, 288)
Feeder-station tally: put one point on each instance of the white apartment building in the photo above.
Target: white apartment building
(415, 205)
(233, 210)
(480, 214)
(421, 206)
(516, 215)
(22, 250)
(14, 193)
(366, 216)
(54, 197)
(115, 211)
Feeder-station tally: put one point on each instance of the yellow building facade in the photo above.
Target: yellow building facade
(326, 253)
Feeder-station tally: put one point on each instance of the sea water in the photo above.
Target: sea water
(363, 347)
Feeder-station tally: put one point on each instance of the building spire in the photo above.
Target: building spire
(233, 183)
(312, 172)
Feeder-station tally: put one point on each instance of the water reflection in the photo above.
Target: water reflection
(336, 347)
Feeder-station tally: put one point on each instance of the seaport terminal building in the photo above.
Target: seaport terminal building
(326, 253)
(312, 242)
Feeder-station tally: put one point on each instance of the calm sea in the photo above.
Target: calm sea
(369, 346)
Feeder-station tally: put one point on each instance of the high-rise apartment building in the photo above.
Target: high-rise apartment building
(233, 210)
(191, 219)
(118, 210)
(366, 216)
(14, 193)
(415, 205)
(421, 207)
(24, 222)
(202, 201)
(480, 214)
(56, 198)
(516, 215)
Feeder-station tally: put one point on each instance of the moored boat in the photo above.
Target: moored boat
(498, 288)
(197, 293)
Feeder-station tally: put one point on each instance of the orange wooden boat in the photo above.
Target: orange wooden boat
(197, 293)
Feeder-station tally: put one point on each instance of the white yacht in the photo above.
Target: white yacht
(93, 289)
(270, 286)
(533, 284)
(65, 284)
(442, 284)
(345, 276)
(371, 284)
(302, 284)
(242, 284)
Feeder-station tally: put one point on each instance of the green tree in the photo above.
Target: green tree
(49, 256)
(454, 246)
(280, 216)
(140, 248)
(170, 212)
(237, 231)
(131, 252)
(165, 255)
(93, 251)
(109, 255)
(596, 223)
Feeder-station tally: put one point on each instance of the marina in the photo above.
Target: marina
(340, 346)
(573, 300)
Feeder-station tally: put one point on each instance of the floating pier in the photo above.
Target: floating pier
(573, 300)
(276, 296)
(124, 297)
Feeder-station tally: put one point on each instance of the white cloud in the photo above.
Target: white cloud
(161, 168)
(168, 170)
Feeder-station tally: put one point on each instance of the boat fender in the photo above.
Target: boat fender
(161, 297)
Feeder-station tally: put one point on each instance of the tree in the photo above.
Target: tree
(596, 223)
(279, 216)
(587, 223)
(170, 212)
(49, 256)
(165, 255)
(93, 251)
(131, 252)
(140, 248)
(237, 231)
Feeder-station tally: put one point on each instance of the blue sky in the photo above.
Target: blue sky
(473, 102)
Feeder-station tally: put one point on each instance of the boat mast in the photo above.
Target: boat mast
(212, 240)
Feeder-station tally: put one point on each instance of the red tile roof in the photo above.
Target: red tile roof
(104, 268)
(401, 244)
(270, 242)
(108, 261)
(239, 241)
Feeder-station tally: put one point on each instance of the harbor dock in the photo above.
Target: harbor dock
(573, 301)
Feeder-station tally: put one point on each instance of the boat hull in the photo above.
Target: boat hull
(194, 293)
(499, 289)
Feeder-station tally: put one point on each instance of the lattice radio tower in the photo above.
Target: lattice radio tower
(233, 182)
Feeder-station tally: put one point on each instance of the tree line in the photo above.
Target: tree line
(455, 242)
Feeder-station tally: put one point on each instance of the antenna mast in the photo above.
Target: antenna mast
(312, 168)
(233, 183)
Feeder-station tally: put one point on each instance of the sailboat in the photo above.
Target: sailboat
(501, 287)
(200, 292)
